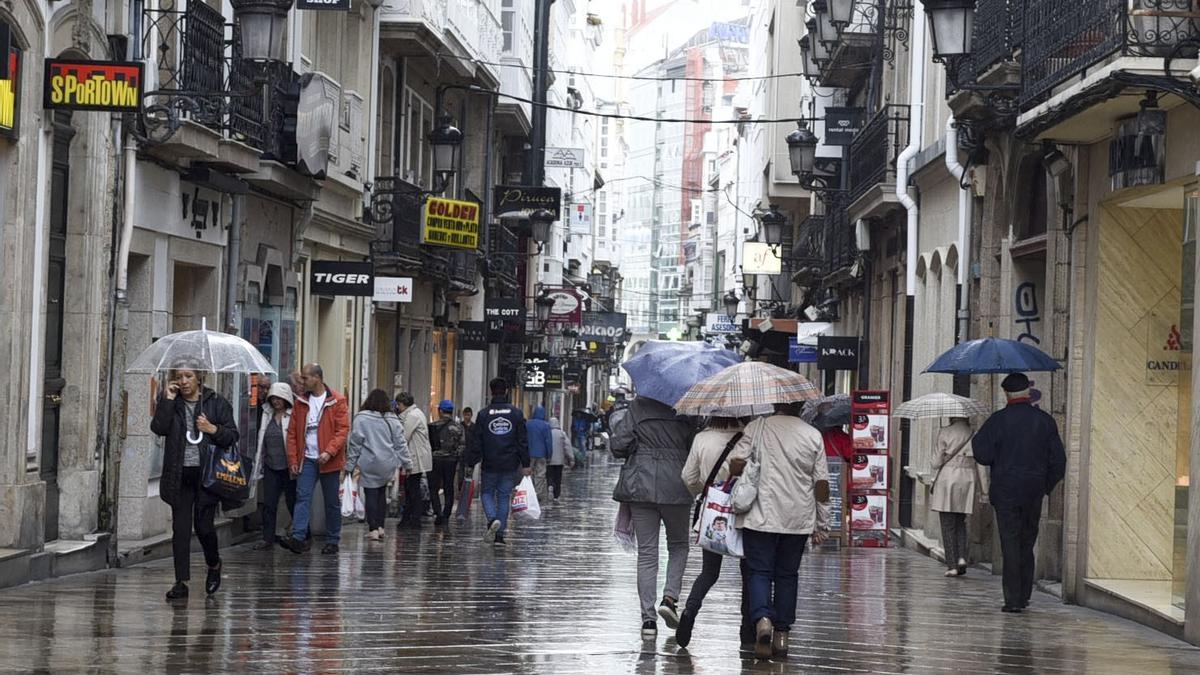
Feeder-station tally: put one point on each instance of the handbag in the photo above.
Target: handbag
(227, 474)
(712, 475)
(745, 488)
(717, 533)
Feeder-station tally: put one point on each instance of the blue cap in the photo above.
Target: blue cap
(446, 405)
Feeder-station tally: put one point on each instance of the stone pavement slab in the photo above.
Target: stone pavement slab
(560, 598)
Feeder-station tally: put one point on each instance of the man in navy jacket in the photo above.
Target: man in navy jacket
(498, 439)
(1022, 446)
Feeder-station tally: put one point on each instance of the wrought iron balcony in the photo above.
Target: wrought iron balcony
(502, 264)
(395, 213)
(874, 151)
(1062, 38)
(840, 246)
(808, 259)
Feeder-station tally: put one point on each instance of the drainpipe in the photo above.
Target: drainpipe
(966, 207)
(233, 251)
(916, 124)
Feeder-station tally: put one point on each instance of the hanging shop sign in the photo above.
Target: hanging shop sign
(606, 327)
(798, 353)
(842, 125)
(393, 289)
(554, 375)
(72, 84)
(5, 48)
(343, 278)
(761, 258)
(330, 5)
(10, 90)
(721, 323)
(518, 201)
(505, 318)
(574, 374)
(537, 367)
(581, 219)
(567, 309)
(472, 336)
(449, 222)
(564, 158)
(837, 353)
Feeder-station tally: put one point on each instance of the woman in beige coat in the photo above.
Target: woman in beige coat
(952, 493)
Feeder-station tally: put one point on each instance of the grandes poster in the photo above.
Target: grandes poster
(869, 472)
(870, 425)
(870, 421)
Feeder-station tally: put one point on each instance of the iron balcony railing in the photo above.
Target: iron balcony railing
(1065, 37)
(998, 33)
(808, 258)
(396, 215)
(874, 151)
(840, 247)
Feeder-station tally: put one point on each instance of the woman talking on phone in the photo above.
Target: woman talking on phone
(192, 419)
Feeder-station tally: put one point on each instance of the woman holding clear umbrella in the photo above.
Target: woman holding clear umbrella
(192, 419)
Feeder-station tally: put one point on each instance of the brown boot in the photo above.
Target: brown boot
(764, 632)
(780, 645)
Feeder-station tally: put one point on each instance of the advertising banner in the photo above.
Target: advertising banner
(537, 368)
(343, 278)
(564, 158)
(870, 418)
(518, 201)
(798, 353)
(605, 327)
(870, 424)
(72, 84)
(567, 309)
(842, 125)
(869, 472)
(837, 353)
(581, 219)
(721, 323)
(10, 91)
(472, 336)
(451, 223)
(393, 289)
(868, 512)
(761, 258)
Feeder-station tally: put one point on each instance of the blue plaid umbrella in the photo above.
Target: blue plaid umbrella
(993, 355)
(665, 370)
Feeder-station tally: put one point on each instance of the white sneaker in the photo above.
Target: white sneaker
(493, 528)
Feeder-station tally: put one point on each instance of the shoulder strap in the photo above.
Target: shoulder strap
(712, 475)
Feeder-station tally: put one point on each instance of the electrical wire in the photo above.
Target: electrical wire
(612, 76)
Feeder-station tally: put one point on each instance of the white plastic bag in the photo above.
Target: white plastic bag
(623, 529)
(352, 501)
(717, 532)
(525, 502)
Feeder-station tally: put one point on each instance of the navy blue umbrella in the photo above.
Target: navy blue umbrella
(665, 370)
(993, 355)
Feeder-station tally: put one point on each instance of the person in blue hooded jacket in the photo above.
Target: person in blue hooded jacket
(497, 439)
(541, 447)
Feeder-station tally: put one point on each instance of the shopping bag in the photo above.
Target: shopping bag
(623, 529)
(717, 533)
(227, 474)
(346, 495)
(360, 503)
(465, 494)
(525, 502)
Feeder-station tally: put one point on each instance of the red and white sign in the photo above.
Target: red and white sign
(870, 432)
(568, 307)
(393, 289)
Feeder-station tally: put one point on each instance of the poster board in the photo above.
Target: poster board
(869, 481)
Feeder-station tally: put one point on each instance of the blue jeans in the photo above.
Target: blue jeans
(773, 565)
(276, 482)
(497, 494)
(310, 475)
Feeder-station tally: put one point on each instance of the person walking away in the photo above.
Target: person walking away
(271, 460)
(375, 451)
(192, 420)
(416, 433)
(952, 490)
(579, 430)
(540, 446)
(1022, 447)
(499, 445)
(792, 507)
(448, 441)
(707, 448)
(316, 446)
(468, 419)
(654, 443)
(560, 455)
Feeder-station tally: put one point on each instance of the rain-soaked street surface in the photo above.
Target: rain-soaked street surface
(560, 598)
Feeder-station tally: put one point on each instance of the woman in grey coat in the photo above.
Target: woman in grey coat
(375, 449)
(654, 443)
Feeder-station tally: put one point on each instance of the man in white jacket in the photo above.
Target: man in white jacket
(416, 433)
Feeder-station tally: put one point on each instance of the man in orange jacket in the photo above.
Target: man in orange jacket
(317, 454)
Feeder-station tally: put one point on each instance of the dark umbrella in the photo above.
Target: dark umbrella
(993, 355)
(838, 415)
(584, 413)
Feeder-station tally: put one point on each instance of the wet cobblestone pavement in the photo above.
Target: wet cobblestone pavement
(560, 598)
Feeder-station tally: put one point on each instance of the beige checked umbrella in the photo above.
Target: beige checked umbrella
(749, 388)
(940, 405)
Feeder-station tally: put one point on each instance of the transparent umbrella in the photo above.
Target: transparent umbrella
(203, 349)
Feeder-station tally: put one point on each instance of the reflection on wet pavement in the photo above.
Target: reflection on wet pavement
(561, 598)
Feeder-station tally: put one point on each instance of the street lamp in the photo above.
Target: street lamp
(819, 48)
(731, 303)
(446, 141)
(262, 25)
(840, 13)
(802, 151)
(772, 226)
(808, 61)
(569, 337)
(951, 23)
(539, 224)
(542, 306)
(826, 31)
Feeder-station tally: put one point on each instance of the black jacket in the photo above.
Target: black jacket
(498, 438)
(170, 422)
(1022, 446)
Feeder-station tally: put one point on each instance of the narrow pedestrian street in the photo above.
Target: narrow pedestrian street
(560, 598)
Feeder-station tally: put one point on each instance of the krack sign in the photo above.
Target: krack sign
(343, 278)
(837, 353)
(92, 85)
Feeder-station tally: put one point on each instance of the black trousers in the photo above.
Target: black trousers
(414, 508)
(554, 478)
(710, 571)
(1018, 529)
(442, 478)
(274, 483)
(186, 513)
(375, 504)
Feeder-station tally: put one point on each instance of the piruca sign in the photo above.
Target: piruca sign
(92, 85)
(518, 201)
